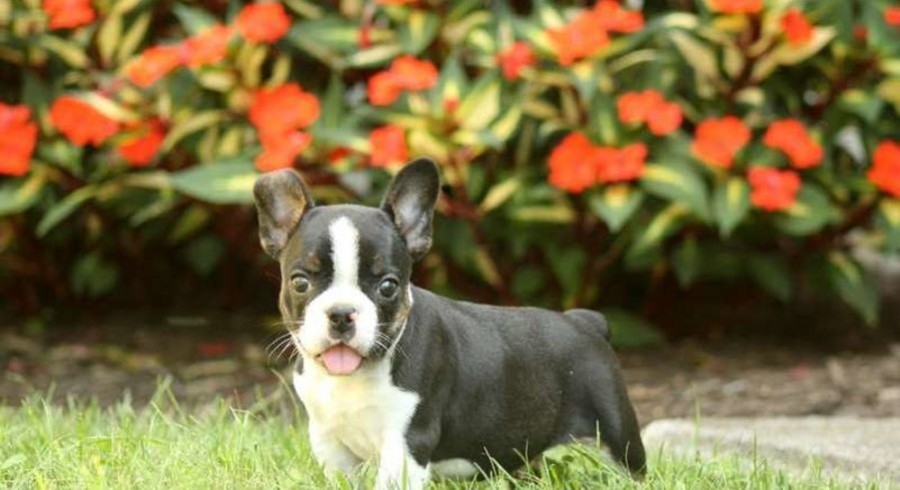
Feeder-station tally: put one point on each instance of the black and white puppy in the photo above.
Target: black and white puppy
(394, 374)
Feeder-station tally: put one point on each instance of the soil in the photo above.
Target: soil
(203, 357)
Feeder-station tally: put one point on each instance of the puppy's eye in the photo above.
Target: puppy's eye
(300, 284)
(388, 288)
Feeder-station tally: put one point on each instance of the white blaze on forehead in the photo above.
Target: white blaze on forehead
(344, 251)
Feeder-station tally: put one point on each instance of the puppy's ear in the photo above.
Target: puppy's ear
(410, 202)
(281, 199)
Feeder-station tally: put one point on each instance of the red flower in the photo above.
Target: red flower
(885, 171)
(892, 16)
(280, 152)
(383, 89)
(283, 108)
(208, 47)
(649, 107)
(665, 118)
(412, 74)
(578, 39)
(141, 147)
(796, 27)
(17, 138)
(635, 107)
(388, 146)
(264, 22)
(514, 58)
(80, 123)
(153, 64)
(69, 14)
(405, 73)
(613, 18)
(717, 141)
(772, 189)
(573, 164)
(789, 136)
(620, 165)
(736, 6)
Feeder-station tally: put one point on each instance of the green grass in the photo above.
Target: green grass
(167, 446)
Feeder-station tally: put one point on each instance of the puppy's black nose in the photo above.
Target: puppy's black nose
(342, 320)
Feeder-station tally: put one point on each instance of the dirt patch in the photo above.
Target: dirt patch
(205, 357)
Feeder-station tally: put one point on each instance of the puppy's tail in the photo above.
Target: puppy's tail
(591, 319)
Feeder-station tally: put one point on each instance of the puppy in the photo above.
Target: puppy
(418, 383)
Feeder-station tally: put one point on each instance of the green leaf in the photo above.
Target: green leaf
(568, 264)
(109, 36)
(17, 195)
(731, 204)
(190, 125)
(64, 208)
(374, 56)
(225, 182)
(481, 104)
(888, 219)
(499, 194)
(615, 205)
(687, 262)
(772, 274)
(190, 221)
(680, 183)
(71, 53)
(661, 226)
(93, 277)
(204, 254)
(193, 19)
(809, 214)
(418, 31)
(854, 285)
(630, 330)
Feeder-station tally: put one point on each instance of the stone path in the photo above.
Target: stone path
(845, 447)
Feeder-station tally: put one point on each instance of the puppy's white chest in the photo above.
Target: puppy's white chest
(358, 411)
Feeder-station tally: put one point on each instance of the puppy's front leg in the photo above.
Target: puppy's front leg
(397, 469)
(334, 458)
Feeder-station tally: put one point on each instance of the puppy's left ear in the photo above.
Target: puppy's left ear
(410, 202)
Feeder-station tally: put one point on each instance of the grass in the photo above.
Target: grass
(167, 446)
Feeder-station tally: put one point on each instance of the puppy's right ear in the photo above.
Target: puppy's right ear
(281, 199)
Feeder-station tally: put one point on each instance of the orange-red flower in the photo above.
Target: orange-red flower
(797, 28)
(717, 141)
(885, 171)
(208, 47)
(412, 74)
(283, 108)
(264, 22)
(613, 18)
(789, 136)
(388, 146)
(153, 64)
(80, 123)
(514, 58)
(281, 152)
(578, 39)
(649, 107)
(405, 73)
(736, 6)
(892, 16)
(665, 118)
(573, 164)
(18, 135)
(620, 164)
(773, 189)
(140, 147)
(69, 14)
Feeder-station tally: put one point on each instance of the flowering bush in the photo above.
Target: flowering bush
(583, 147)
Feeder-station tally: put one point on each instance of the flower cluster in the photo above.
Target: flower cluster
(589, 32)
(18, 135)
(279, 114)
(576, 164)
(650, 107)
(405, 74)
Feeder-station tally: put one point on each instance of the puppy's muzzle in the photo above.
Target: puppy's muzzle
(342, 322)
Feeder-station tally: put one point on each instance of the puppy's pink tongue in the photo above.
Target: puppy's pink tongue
(341, 359)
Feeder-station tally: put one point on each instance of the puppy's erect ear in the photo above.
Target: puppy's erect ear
(410, 202)
(281, 199)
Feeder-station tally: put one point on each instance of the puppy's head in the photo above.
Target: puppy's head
(345, 269)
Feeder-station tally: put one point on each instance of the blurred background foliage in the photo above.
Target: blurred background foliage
(594, 154)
